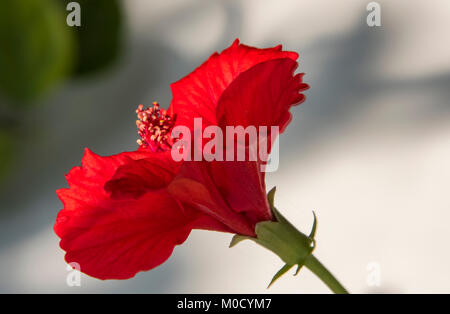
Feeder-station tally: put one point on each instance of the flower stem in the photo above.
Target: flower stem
(314, 265)
(291, 245)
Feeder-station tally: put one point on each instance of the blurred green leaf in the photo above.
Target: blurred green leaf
(98, 38)
(35, 48)
(6, 152)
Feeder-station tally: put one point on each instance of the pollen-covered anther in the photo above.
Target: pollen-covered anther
(154, 127)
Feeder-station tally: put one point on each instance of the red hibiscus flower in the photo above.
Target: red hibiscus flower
(125, 213)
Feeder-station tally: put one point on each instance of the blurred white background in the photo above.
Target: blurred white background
(369, 150)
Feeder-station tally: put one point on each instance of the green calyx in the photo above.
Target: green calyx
(282, 238)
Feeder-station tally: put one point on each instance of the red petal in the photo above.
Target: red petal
(114, 239)
(197, 94)
(198, 186)
(241, 184)
(262, 96)
(139, 176)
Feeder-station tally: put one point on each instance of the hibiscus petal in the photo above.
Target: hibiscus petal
(137, 177)
(115, 239)
(262, 96)
(242, 184)
(194, 186)
(197, 94)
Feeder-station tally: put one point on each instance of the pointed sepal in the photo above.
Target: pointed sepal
(299, 266)
(238, 238)
(280, 273)
(312, 234)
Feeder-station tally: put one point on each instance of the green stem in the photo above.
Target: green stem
(291, 245)
(313, 264)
